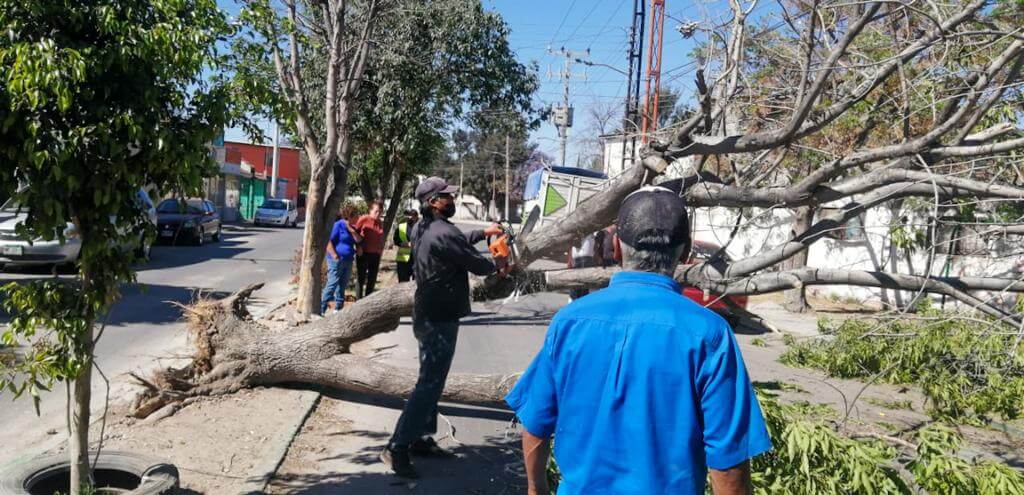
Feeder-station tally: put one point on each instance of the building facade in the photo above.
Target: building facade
(245, 177)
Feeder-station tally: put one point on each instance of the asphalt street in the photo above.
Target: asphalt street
(145, 328)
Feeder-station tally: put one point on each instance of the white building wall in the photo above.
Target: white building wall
(770, 228)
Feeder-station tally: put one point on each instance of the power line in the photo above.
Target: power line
(564, 18)
(592, 10)
(615, 13)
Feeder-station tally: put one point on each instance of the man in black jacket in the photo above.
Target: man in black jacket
(442, 258)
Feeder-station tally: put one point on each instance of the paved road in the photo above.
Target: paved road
(145, 328)
(499, 337)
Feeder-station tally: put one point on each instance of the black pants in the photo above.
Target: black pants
(437, 347)
(367, 265)
(404, 270)
(581, 262)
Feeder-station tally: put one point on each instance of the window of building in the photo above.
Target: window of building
(853, 230)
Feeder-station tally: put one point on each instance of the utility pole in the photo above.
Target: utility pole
(277, 154)
(508, 180)
(651, 99)
(563, 114)
(635, 56)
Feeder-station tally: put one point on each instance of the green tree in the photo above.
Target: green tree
(283, 40)
(479, 158)
(98, 99)
(445, 62)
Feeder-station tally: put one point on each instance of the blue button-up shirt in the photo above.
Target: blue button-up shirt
(643, 390)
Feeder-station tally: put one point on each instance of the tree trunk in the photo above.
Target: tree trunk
(795, 300)
(314, 241)
(394, 202)
(366, 188)
(78, 440)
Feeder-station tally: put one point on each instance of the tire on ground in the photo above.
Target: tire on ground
(157, 478)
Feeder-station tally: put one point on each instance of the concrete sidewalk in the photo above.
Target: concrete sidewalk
(336, 451)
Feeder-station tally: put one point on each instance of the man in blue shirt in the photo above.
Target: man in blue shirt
(643, 389)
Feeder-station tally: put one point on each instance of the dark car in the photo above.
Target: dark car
(192, 219)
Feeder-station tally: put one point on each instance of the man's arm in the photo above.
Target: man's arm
(463, 254)
(732, 481)
(535, 455)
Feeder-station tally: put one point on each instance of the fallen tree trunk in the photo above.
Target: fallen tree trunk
(233, 351)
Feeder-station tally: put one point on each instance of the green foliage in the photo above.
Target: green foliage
(480, 158)
(936, 471)
(447, 62)
(907, 238)
(810, 457)
(99, 99)
(890, 404)
(964, 369)
(53, 307)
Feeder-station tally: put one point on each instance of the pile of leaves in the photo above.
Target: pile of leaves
(968, 369)
(812, 454)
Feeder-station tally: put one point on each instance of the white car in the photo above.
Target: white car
(14, 250)
(277, 212)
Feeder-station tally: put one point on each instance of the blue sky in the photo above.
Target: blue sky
(603, 27)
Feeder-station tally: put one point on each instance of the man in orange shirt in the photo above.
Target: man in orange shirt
(372, 231)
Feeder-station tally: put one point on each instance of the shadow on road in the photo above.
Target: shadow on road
(149, 303)
(492, 468)
(172, 256)
(398, 403)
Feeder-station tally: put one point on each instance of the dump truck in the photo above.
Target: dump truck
(556, 192)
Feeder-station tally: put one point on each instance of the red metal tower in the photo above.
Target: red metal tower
(649, 122)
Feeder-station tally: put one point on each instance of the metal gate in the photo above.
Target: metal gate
(252, 194)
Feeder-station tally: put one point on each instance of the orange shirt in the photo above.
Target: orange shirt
(372, 232)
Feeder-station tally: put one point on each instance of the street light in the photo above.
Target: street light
(598, 64)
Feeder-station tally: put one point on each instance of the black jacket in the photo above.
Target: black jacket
(442, 256)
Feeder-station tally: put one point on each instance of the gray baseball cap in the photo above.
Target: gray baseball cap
(431, 186)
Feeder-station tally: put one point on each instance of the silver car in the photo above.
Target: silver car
(17, 251)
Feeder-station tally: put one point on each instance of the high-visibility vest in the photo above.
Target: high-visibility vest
(404, 253)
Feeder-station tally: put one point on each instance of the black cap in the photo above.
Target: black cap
(653, 217)
(431, 186)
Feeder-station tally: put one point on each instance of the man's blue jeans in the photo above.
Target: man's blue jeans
(338, 272)
(437, 347)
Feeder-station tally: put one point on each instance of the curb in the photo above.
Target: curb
(265, 469)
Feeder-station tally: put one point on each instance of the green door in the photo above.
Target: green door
(251, 196)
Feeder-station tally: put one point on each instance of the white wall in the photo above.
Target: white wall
(770, 228)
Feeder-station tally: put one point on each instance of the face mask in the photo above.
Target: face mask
(449, 210)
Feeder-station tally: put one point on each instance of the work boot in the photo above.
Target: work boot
(399, 463)
(428, 447)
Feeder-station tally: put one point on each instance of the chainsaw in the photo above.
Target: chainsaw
(504, 249)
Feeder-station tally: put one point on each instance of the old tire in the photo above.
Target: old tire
(154, 478)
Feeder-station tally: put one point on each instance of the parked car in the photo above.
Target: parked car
(277, 212)
(191, 219)
(16, 251)
(702, 251)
